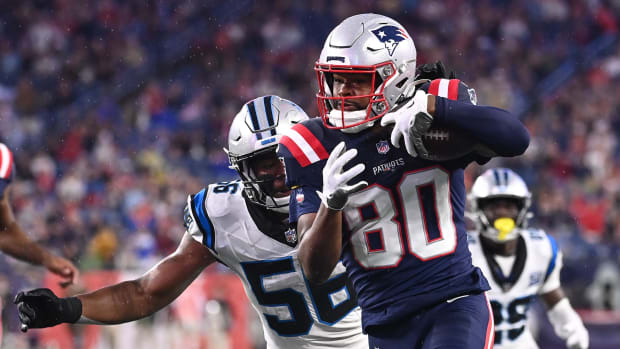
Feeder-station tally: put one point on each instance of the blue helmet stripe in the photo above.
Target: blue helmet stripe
(269, 111)
(254, 117)
(497, 180)
(506, 177)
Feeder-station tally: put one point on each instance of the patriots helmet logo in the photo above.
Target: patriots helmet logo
(390, 35)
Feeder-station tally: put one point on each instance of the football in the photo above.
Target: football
(444, 143)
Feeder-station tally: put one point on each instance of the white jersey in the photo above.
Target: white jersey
(293, 313)
(535, 271)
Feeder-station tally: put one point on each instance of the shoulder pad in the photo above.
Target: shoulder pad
(536, 234)
(554, 260)
(302, 142)
(223, 197)
(197, 222)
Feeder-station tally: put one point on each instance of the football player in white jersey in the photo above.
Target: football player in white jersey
(243, 224)
(520, 263)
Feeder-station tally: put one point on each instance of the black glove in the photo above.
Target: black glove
(433, 71)
(40, 308)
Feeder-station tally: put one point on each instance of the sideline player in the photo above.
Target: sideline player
(520, 263)
(15, 242)
(399, 226)
(243, 225)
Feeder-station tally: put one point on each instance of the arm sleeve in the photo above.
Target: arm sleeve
(496, 128)
(304, 183)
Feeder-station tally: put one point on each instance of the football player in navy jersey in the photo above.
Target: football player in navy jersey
(392, 214)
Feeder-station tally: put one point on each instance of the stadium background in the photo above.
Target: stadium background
(116, 110)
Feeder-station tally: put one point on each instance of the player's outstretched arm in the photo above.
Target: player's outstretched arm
(566, 322)
(122, 302)
(321, 233)
(15, 243)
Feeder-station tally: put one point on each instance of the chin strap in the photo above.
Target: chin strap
(282, 204)
(568, 325)
(335, 118)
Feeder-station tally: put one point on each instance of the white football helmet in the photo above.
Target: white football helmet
(365, 44)
(498, 183)
(256, 130)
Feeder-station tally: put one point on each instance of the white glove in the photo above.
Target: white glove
(580, 339)
(411, 121)
(336, 192)
(568, 326)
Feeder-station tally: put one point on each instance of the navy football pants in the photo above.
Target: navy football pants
(465, 323)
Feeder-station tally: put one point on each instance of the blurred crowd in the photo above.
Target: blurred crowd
(117, 110)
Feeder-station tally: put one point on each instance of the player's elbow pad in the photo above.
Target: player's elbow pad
(568, 325)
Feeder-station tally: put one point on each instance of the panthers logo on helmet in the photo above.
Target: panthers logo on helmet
(390, 35)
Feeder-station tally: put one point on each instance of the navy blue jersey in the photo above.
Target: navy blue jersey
(6, 167)
(404, 238)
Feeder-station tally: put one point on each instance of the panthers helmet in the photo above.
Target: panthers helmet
(256, 130)
(498, 183)
(365, 44)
